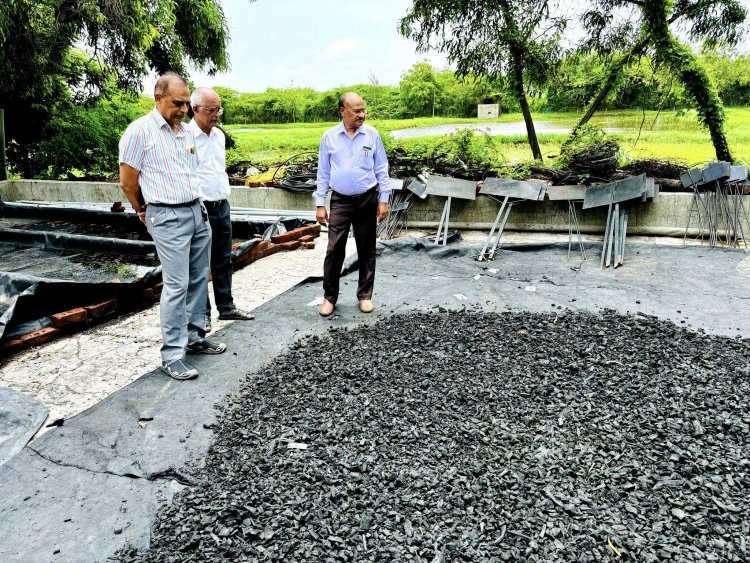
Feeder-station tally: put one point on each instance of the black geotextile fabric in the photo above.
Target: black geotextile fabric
(29, 301)
(39, 299)
(666, 422)
(35, 300)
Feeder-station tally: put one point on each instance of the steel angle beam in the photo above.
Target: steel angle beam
(597, 196)
(716, 171)
(652, 190)
(615, 192)
(691, 178)
(737, 173)
(395, 184)
(562, 193)
(502, 187)
(630, 188)
(451, 187)
(418, 189)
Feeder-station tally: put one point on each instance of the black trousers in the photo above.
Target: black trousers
(359, 213)
(221, 258)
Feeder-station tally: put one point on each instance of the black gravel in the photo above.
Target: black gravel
(459, 436)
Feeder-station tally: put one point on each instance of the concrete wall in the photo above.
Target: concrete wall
(667, 215)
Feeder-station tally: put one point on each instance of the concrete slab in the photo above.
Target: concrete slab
(666, 216)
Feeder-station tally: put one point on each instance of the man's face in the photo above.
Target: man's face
(173, 105)
(353, 113)
(206, 115)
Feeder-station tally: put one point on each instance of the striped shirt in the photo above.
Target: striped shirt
(167, 161)
(351, 166)
(212, 162)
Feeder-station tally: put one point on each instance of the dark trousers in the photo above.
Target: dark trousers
(360, 213)
(221, 259)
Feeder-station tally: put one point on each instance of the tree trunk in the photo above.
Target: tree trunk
(520, 95)
(614, 72)
(684, 64)
(516, 76)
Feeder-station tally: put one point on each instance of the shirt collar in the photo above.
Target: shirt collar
(161, 122)
(342, 129)
(197, 131)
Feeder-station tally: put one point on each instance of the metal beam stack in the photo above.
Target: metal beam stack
(718, 210)
(617, 196)
(395, 223)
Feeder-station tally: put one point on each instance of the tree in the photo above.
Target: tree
(56, 54)
(649, 29)
(731, 74)
(419, 90)
(516, 39)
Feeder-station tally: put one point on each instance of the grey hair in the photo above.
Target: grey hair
(196, 98)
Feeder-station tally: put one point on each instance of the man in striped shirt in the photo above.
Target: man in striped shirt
(158, 164)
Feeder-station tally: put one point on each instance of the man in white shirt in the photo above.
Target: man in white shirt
(214, 182)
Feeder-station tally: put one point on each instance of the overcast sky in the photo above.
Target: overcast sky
(317, 43)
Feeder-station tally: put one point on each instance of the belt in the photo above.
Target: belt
(183, 204)
(355, 197)
(214, 204)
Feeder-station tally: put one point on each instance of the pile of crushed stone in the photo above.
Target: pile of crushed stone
(464, 436)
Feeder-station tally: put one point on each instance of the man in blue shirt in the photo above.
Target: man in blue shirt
(353, 166)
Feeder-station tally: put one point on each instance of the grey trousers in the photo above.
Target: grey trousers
(182, 237)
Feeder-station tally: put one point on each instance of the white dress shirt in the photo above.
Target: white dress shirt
(212, 163)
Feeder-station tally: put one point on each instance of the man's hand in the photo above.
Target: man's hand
(131, 189)
(321, 215)
(382, 211)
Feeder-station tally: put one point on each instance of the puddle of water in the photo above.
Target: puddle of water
(507, 129)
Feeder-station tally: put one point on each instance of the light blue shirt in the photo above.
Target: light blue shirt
(351, 166)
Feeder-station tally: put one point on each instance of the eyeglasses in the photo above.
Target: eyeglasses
(218, 111)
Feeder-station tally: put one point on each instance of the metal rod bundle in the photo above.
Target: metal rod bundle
(718, 207)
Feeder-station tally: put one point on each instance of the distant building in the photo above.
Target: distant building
(488, 111)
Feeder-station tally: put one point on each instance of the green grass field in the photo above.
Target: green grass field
(668, 134)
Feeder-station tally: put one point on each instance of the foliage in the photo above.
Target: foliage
(691, 73)
(84, 138)
(419, 90)
(731, 75)
(641, 84)
(621, 29)
(119, 40)
(515, 39)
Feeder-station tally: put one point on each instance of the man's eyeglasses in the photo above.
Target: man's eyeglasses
(218, 111)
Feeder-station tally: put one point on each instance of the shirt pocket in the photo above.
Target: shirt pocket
(366, 159)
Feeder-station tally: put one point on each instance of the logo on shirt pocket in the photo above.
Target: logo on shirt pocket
(366, 158)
